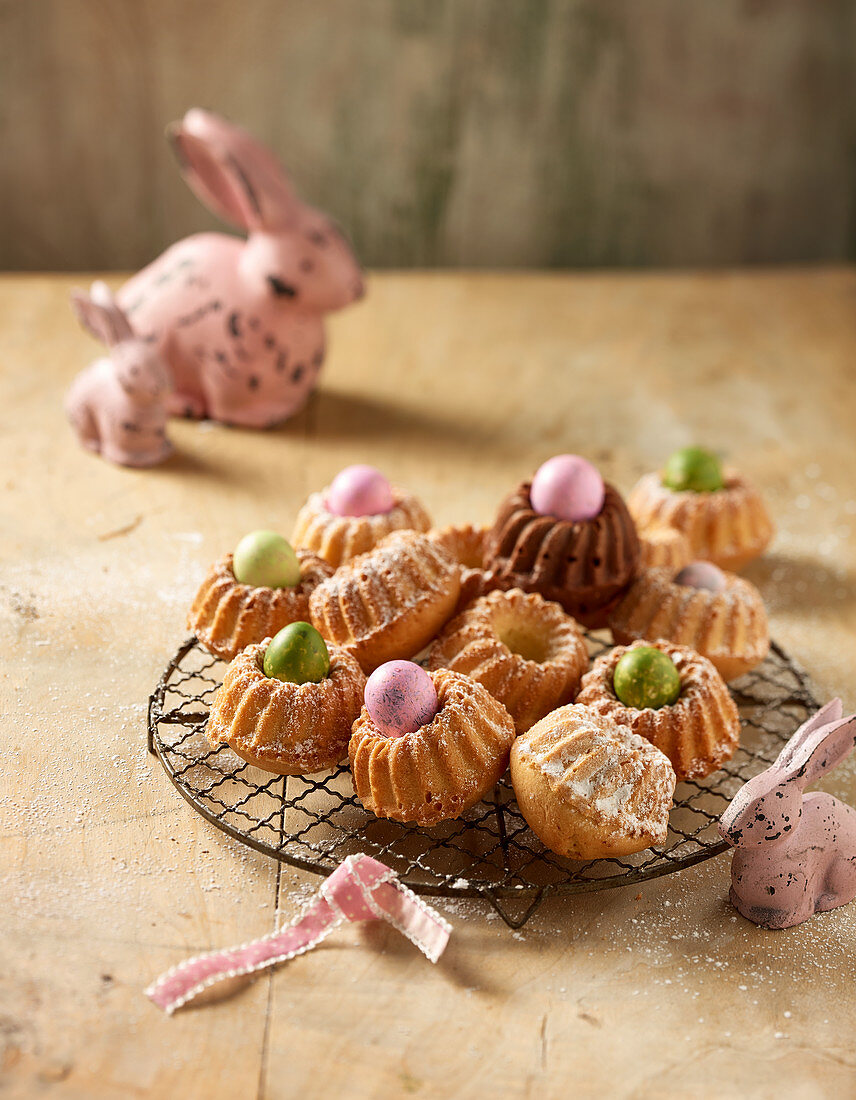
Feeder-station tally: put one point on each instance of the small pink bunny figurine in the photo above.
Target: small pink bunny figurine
(795, 853)
(117, 405)
(240, 321)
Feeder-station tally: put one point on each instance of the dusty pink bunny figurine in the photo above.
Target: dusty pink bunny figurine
(795, 853)
(240, 322)
(117, 405)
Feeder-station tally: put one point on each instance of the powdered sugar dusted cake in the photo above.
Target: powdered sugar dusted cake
(338, 538)
(698, 732)
(524, 649)
(390, 602)
(729, 627)
(288, 728)
(441, 769)
(589, 787)
(729, 526)
(227, 616)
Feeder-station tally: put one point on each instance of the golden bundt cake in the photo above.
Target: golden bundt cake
(660, 545)
(728, 627)
(590, 788)
(525, 650)
(338, 538)
(585, 566)
(467, 545)
(389, 602)
(443, 768)
(698, 732)
(291, 729)
(728, 526)
(227, 616)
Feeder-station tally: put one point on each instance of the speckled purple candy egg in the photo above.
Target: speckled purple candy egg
(400, 698)
(567, 487)
(360, 491)
(702, 574)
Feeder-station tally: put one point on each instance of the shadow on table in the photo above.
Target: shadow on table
(337, 414)
(801, 584)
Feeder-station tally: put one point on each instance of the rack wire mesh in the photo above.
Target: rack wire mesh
(314, 822)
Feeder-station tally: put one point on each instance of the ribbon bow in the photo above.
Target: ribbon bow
(361, 888)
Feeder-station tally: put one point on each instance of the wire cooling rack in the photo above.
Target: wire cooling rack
(313, 822)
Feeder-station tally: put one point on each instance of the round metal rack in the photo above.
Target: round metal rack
(313, 822)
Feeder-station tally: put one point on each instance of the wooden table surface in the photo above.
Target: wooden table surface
(457, 385)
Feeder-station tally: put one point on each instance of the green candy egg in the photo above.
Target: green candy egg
(265, 560)
(646, 677)
(693, 469)
(298, 655)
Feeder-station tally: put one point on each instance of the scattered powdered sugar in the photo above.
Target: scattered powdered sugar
(615, 803)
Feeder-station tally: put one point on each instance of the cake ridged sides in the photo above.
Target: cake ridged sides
(226, 616)
(390, 602)
(290, 729)
(729, 628)
(472, 644)
(338, 539)
(467, 545)
(591, 788)
(698, 733)
(440, 770)
(662, 547)
(583, 566)
(729, 527)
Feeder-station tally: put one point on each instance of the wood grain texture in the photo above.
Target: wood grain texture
(459, 385)
(477, 133)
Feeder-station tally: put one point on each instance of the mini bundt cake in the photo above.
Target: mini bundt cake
(389, 602)
(227, 616)
(467, 545)
(291, 729)
(338, 538)
(444, 767)
(698, 732)
(584, 565)
(660, 545)
(525, 650)
(729, 627)
(728, 526)
(589, 788)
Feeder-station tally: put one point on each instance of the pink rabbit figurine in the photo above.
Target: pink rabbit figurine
(795, 853)
(240, 322)
(117, 405)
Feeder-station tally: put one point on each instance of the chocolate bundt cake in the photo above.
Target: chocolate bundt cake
(585, 566)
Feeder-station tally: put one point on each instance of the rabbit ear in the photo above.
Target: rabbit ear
(830, 712)
(100, 315)
(232, 173)
(822, 750)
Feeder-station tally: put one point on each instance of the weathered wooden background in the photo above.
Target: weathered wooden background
(460, 132)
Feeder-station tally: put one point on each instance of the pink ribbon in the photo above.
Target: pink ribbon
(361, 888)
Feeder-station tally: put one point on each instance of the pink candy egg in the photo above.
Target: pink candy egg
(569, 488)
(400, 698)
(359, 491)
(702, 574)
